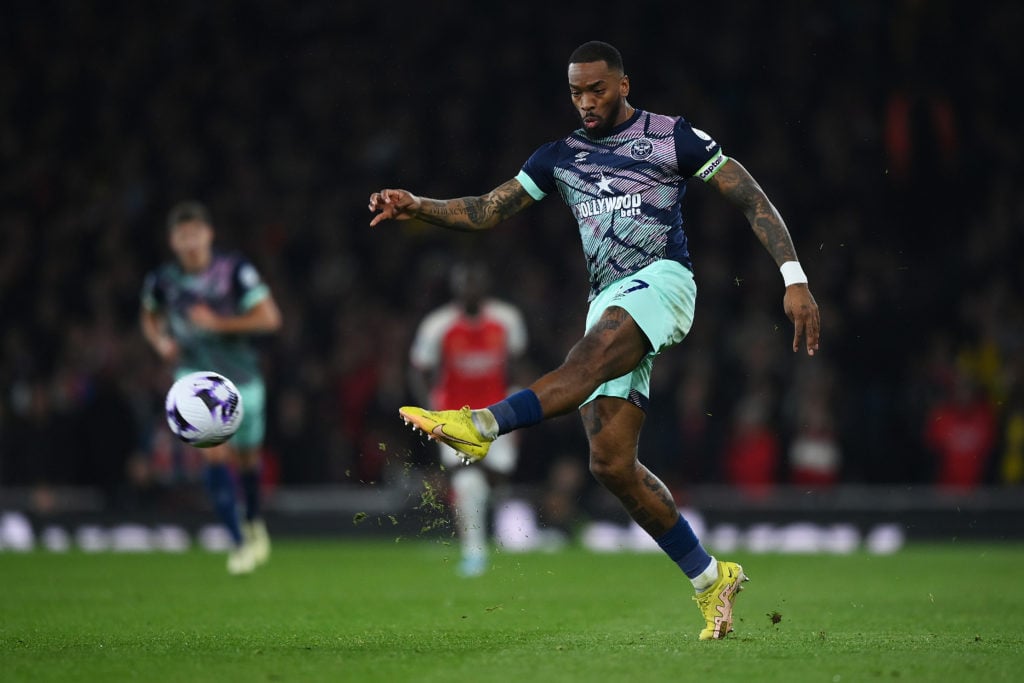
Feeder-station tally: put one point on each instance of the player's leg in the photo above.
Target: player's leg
(470, 494)
(254, 529)
(472, 499)
(613, 430)
(629, 321)
(612, 347)
(220, 486)
(248, 441)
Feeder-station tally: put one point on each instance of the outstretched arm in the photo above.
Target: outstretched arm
(154, 330)
(263, 317)
(464, 213)
(737, 185)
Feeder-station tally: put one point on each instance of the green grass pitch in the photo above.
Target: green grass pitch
(394, 611)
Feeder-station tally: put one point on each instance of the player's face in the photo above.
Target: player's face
(192, 244)
(599, 95)
(469, 285)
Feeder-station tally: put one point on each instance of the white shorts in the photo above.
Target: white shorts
(501, 457)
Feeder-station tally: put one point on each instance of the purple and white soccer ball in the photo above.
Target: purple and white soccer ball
(204, 409)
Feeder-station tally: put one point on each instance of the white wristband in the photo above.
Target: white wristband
(792, 273)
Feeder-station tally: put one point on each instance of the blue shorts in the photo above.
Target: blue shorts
(254, 416)
(661, 299)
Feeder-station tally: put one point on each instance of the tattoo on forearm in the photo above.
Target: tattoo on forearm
(476, 213)
(737, 185)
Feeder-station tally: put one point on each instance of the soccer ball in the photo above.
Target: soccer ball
(204, 409)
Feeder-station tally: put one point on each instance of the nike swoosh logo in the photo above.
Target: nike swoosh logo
(439, 432)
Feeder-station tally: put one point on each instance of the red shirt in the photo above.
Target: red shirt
(469, 354)
(963, 437)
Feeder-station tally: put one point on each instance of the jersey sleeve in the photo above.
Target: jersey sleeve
(537, 175)
(250, 286)
(425, 353)
(152, 295)
(698, 154)
(515, 327)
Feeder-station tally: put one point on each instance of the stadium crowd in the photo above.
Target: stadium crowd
(895, 160)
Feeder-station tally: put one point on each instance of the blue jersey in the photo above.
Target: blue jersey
(230, 286)
(626, 190)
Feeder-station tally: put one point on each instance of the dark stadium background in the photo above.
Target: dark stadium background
(888, 134)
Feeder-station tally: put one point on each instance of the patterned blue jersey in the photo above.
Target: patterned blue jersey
(626, 190)
(230, 286)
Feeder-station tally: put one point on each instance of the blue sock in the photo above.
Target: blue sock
(250, 479)
(521, 409)
(221, 488)
(681, 544)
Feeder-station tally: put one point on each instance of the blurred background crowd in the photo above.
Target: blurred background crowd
(887, 133)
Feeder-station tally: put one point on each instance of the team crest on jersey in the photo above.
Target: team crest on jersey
(641, 149)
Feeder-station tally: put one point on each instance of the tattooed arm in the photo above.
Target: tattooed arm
(464, 213)
(737, 185)
(741, 190)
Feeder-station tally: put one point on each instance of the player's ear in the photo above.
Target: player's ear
(624, 86)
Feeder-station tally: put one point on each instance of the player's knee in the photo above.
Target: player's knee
(217, 455)
(615, 473)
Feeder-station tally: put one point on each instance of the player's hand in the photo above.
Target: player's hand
(167, 349)
(393, 204)
(204, 317)
(802, 309)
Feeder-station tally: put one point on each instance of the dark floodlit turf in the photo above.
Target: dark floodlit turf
(387, 611)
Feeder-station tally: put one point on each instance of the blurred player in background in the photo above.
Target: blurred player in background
(461, 356)
(623, 174)
(198, 313)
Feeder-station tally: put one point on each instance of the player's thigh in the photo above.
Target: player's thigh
(660, 299)
(501, 457)
(249, 436)
(613, 345)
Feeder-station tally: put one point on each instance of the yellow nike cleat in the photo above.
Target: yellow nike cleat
(453, 428)
(716, 602)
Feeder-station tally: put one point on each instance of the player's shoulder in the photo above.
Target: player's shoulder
(166, 271)
(554, 150)
(439, 318)
(664, 122)
(229, 257)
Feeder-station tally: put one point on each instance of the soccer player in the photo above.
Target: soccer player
(460, 356)
(623, 174)
(198, 313)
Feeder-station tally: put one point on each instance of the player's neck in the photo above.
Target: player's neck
(627, 113)
(197, 265)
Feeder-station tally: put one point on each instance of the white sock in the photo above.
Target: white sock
(707, 578)
(469, 484)
(484, 421)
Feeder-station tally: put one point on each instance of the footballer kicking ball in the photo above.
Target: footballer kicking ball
(204, 409)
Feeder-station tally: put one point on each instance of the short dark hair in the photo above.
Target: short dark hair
(597, 51)
(187, 211)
